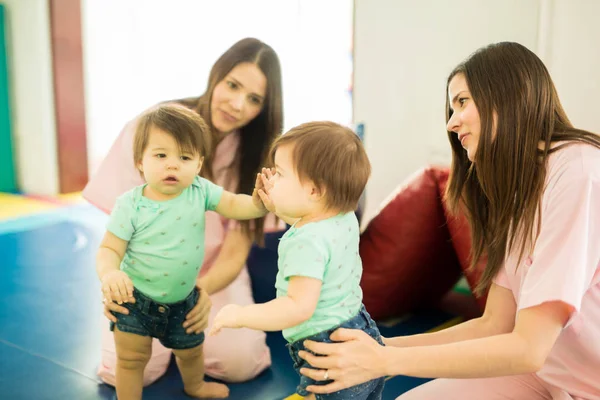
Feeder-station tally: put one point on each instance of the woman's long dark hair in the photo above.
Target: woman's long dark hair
(501, 191)
(258, 135)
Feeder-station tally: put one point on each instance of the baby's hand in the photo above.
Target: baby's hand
(228, 317)
(117, 286)
(258, 186)
(262, 188)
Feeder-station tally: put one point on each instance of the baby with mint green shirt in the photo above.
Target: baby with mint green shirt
(153, 248)
(326, 250)
(321, 170)
(165, 238)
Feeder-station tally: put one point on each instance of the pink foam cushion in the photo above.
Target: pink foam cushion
(408, 260)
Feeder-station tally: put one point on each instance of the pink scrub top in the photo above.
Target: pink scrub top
(565, 266)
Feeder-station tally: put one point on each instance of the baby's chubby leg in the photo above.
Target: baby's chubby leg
(191, 367)
(133, 353)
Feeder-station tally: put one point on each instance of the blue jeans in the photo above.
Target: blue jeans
(162, 321)
(371, 390)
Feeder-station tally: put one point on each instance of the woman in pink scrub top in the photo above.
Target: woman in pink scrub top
(243, 106)
(530, 184)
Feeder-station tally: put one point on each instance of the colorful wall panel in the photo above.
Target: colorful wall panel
(7, 168)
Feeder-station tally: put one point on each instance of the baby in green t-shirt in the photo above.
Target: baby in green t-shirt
(321, 170)
(154, 247)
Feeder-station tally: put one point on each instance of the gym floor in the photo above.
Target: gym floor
(51, 312)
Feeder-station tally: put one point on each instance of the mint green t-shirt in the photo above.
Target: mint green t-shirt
(166, 238)
(326, 250)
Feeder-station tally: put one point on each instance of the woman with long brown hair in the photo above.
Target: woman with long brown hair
(243, 107)
(529, 183)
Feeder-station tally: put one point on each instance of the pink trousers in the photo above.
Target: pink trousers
(517, 387)
(234, 355)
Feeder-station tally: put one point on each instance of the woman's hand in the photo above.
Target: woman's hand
(114, 307)
(196, 320)
(357, 360)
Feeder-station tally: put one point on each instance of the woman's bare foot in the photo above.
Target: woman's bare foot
(210, 390)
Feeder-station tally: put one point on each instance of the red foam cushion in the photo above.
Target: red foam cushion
(460, 234)
(408, 260)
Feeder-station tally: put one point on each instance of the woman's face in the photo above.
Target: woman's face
(465, 120)
(238, 98)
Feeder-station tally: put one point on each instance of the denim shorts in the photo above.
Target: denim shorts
(371, 390)
(162, 321)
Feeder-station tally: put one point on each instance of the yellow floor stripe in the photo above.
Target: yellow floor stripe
(295, 396)
(71, 197)
(14, 206)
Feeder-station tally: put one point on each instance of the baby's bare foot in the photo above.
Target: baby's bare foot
(210, 390)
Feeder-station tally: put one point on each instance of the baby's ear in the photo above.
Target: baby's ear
(317, 193)
(140, 167)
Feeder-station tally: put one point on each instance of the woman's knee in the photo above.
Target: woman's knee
(433, 390)
(246, 365)
(508, 387)
(238, 360)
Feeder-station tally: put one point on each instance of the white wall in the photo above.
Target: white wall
(32, 95)
(573, 58)
(140, 52)
(404, 51)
